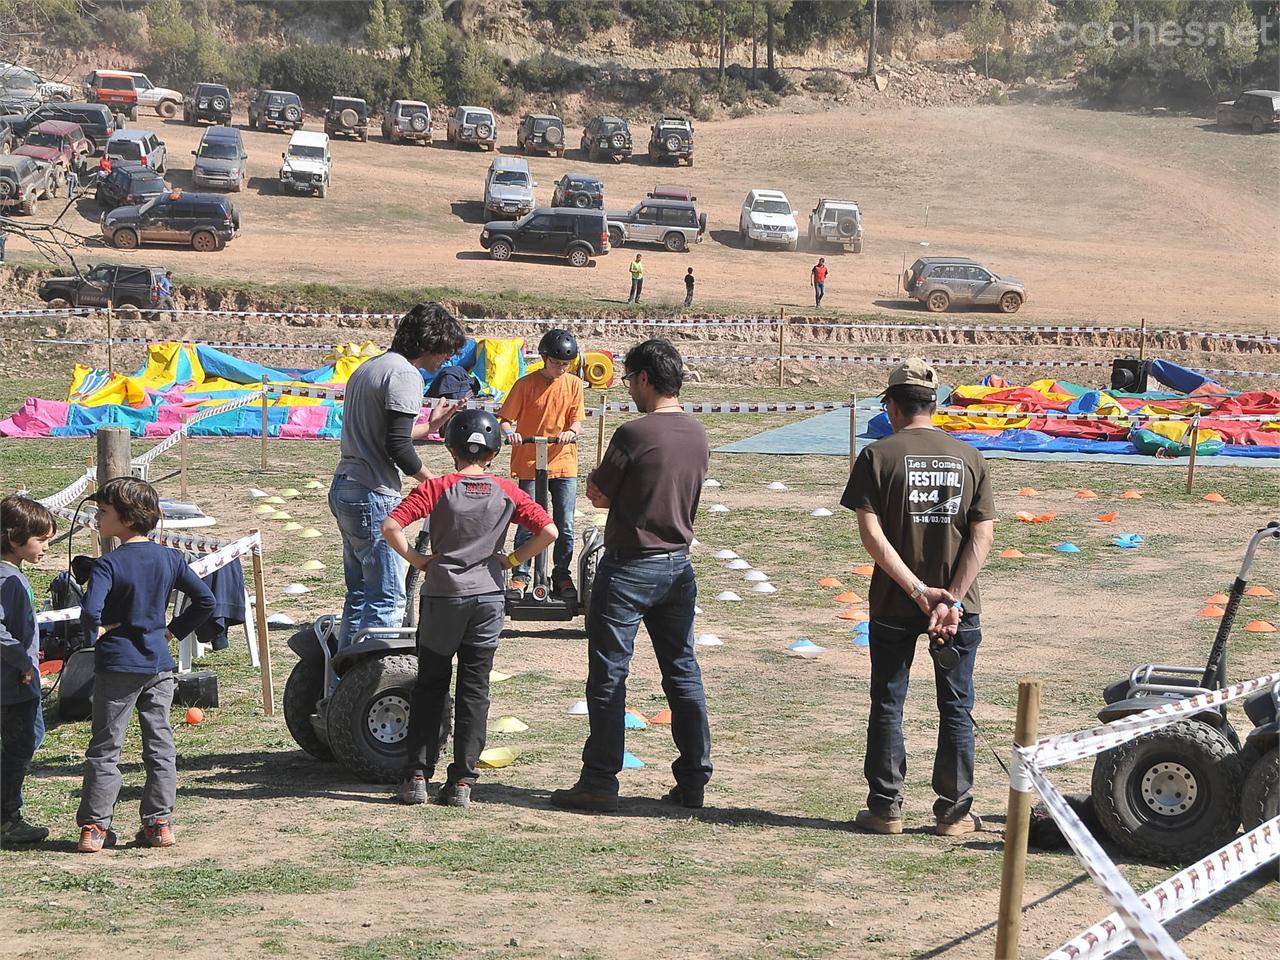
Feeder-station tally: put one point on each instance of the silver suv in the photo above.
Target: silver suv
(473, 125)
(508, 189)
(408, 120)
(939, 282)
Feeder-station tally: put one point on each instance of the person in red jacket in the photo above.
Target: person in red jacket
(818, 280)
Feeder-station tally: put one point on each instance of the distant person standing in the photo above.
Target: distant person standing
(165, 290)
(688, 288)
(818, 279)
(104, 167)
(637, 280)
(73, 181)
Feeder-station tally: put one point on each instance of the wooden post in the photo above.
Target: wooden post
(1014, 867)
(94, 547)
(604, 408)
(111, 361)
(260, 622)
(265, 425)
(182, 455)
(853, 431)
(1142, 343)
(113, 461)
(782, 339)
(1191, 462)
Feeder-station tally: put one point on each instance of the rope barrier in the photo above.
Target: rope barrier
(1202, 415)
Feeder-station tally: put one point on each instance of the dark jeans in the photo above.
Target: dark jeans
(659, 590)
(476, 618)
(17, 747)
(563, 494)
(636, 287)
(819, 288)
(893, 647)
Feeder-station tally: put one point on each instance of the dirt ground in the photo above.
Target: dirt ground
(1107, 217)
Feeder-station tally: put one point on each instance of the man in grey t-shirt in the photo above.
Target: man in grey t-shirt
(379, 424)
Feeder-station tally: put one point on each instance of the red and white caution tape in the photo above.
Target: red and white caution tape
(219, 344)
(1203, 415)
(1180, 893)
(70, 493)
(51, 312)
(1042, 328)
(58, 616)
(883, 360)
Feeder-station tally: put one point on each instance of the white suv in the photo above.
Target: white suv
(165, 102)
(306, 163)
(768, 218)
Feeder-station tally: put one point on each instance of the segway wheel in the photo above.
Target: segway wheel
(593, 547)
(302, 691)
(1261, 799)
(1169, 796)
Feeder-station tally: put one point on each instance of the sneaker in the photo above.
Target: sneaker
(971, 823)
(584, 798)
(412, 790)
(874, 823)
(17, 832)
(93, 838)
(685, 796)
(158, 834)
(516, 588)
(565, 590)
(454, 795)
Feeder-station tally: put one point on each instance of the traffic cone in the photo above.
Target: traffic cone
(1011, 553)
(1107, 517)
(847, 597)
(1212, 611)
(1258, 591)
(1259, 626)
(1131, 495)
(864, 570)
(1214, 497)
(1086, 495)
(830, 582)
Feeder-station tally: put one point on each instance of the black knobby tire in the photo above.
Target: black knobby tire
(581, 201)
(1172, 795)
(383, 685)
(1260, 800)
(302, 690)
(587, 581)
(412, 577)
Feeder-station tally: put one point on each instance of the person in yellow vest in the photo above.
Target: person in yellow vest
(637, 280)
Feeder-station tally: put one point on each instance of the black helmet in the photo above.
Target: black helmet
(473, 432)
(558, 345)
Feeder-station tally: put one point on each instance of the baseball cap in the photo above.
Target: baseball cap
(912, 372)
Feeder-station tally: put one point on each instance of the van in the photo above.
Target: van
(508, 188)
(306, 163)
(220, 160)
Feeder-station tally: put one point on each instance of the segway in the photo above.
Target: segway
(540, 601)
(1176, 794)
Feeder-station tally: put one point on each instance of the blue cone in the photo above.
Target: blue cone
(631, 762)
(1128, 541)
(633, 722)
(861, 640)
(803, 643)
(1067, 548)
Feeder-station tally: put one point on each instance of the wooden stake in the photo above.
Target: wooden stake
(260, 622)
(604, 408)
(111, 361)
(853, 431)
(1191, 462)
(782, 339)
(113, 461)
(265, 425)
(1142, 344)
(1014, 867)
(94, 546)
(182, 455)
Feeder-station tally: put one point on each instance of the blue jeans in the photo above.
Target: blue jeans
(893, 647)
(563, 492)
(18, 741)
(374, 573)
(819, 288)
(660, 590)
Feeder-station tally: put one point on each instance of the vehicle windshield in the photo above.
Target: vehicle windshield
(125, 149)
(116, 83)
(511, 178)
(771, 206)
(540, 125)
(148, 205)
(304, 152)
(278, 99)
(218, 150)
(39, 138)
(18, 83)
(142, 83)
(148, 186)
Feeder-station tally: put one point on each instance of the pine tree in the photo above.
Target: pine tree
(376, 31)
(1240, 43)
(984, 30)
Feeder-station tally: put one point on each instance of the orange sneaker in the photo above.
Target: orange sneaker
(158, 834)
(93, 838)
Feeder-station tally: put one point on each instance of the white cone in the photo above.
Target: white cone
(737, 564)
(777, 485)
(764, 588)
(726, 555)
(708, 640)
(577, 709)
(717, 508)
(756, 576)
(695, 542)
(280, 620)
(256, 493)
(821, 512)
(728, 596)
(295, 590)
(710, 483)
(697, 610)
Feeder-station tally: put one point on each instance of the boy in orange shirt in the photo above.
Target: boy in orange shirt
(547, 403)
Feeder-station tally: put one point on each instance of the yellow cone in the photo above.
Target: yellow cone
(508, 725)
(310, 533)
(495, 758)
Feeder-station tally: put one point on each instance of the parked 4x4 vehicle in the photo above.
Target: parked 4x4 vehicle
(1259, 110)
(96, 121)
(767, 217)
(576, 235)
(221, 160)
(206, 221)
(128, 183)
(579, 190)
(939, 282)
(24, 180)
(408, 120)
(120, 285)
(475, 125)
(836, 222)
(59, 142)
(115, 89)
(276, 108)
(19, 81)
(671, 138)
(207, 103)
(162, 100)
(673, 223)
(606, 137)
(541, 133)
(348, 117)
(508, 188)
(138, 146)
(306, 164)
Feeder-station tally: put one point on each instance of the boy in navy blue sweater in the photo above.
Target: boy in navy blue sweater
(25, 530)
(125, 607)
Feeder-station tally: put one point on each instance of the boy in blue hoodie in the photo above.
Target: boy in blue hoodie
(125, 608)
(25, 530)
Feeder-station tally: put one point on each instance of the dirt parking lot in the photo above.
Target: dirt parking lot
(1107, 217)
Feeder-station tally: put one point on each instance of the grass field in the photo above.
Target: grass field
(280, 855)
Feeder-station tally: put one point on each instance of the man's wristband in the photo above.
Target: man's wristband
(958, 605)
(919, 590)
(513, 559)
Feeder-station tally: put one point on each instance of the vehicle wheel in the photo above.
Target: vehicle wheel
(500, 250)
(615, 237)
(1169, 796)
(791, 247)
(133, 114)
(581, 201)
(1010, 302)
(128, 311)
(587, 579)
(202, 241)
(938, 301)
(689, 160)
(302, 691)
(7, 189)
(160, 169)
(186, 117)
(675, 242)
(364, 136)
(167, 109)
(253, 122)
(125, 239)
(747, 242)
(1261, 798)
(28, 207)
(323, 191)
(368, 717)
(579, 257)
(239, 184)
(813, 239)
(1257, 125)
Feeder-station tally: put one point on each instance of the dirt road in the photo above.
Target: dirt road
(1107, 217)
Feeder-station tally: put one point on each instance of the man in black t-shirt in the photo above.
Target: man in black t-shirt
(650, 480)
(926, 515)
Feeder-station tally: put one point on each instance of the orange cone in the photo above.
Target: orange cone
(852, 614)
(1214, 497)
(1131, 495)
(1086, 495)
(1258, 591)
(848, 597)
(1025, 516)
(1028, 492)
(1217, 598)
(1107, 517)
(1259, 626)
(1012, 553)
(1043, 518)
(864, 569)
(1212, 611)
(662, 717)
(830, 582)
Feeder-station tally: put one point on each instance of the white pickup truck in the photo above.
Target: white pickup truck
(836, 222)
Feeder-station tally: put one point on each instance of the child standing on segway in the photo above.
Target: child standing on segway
(547, 403)
(462, 598)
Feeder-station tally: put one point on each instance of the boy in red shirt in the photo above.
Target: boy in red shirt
(462, 598)
(547, 403)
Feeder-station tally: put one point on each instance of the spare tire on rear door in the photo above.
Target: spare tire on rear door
(418, 122)
(847, 226)
(348, 118)
(484, 131)
(292, 113)
(673, 142)
(554, 135)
